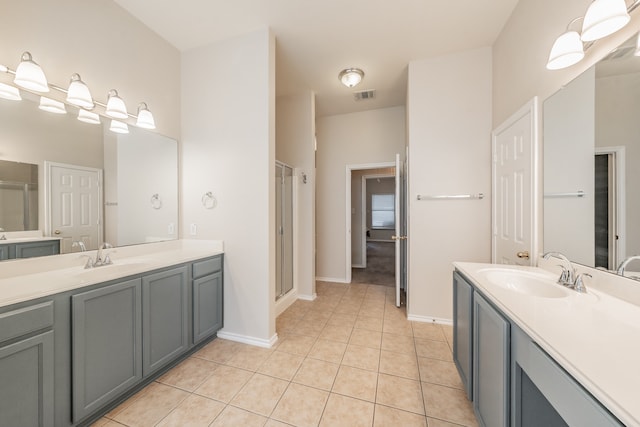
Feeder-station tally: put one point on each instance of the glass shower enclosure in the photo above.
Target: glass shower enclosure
(284, 229)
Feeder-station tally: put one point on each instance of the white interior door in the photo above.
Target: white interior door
(74, 201)
(514, 206)
(400, 237)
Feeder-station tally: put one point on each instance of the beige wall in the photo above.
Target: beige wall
(367, 137)
(449, 126)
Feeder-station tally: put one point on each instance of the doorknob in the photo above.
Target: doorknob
(524, 254)
(57, 232)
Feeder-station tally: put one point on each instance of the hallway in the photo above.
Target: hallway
(380, 265)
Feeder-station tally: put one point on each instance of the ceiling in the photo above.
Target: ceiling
(315, 39)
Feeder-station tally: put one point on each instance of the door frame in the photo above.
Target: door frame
(533, 108)
(619, 156)
(48, 165)
(350, 168)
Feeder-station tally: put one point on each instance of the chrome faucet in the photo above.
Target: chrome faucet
(99, 258)
(4, 236)
(623, 264)
(79, 243)
(568, 275)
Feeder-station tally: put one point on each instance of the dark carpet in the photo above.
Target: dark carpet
(381, 265)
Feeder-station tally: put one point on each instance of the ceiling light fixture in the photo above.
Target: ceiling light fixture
(79, 93)
(52, 106)
(29, 75)
(145, 118)
(566, 51)
(9, 92)
(118, 127)
(350, 77)
(603, 18)
(88, 117)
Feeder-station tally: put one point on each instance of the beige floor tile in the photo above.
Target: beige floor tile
(152, 406)
(433, 349)
(317, 315)
(316, 373)
(260, 394)
(362, 357)
(369, 310)
(386, 416)
(219, 350)
(224, 383)
(301, 406)
(448, 333)
(347, 308)
(398, 328)
(249, 358)
(101, 422)
(124, 405)
(281, 365)
(194, 411)
(274, 423)
(112, 424)
(430, 331)
(398, 343)
(329, 351)
(433, 422)
(342, 319)
(235, 417)
(348, 412)
(336, 333)
(366, 338)
(309, 329)
(400, 393)
(189, 374)
(296, 344)
(369, 323)
(356, 383)
(399, 364)
(448, 404)
(439, 372)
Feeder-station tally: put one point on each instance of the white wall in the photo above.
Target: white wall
(295, 146)
(367, 137)
(449, 126)
(228, 139)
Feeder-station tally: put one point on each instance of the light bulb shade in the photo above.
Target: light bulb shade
(78, 93)
(351, 77)
(52, 106)
(118, 127)
(145, 118)
(88, 117)
(30, 76)
(9, 92)
(115, 106)
(566, 51)
(604, 17)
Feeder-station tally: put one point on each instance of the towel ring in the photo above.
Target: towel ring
(156, 203)
(209, 201)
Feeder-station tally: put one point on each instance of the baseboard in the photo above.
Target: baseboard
(259, 342)
(428, 319)
(308, 297)
(285, 301)
(331, 279)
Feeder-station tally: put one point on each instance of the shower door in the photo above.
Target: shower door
(284, 229)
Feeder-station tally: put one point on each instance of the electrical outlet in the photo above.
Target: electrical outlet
(171, 229)
(193, 229)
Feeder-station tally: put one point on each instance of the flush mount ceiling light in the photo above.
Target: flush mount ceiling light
(566, 51)
(52, 106)
(30, 76)
(118, 127)
(9, 92)
(115, 106)
(145, 118)
(604, 17)
(88, 117)
(350, 77)
(78, 93)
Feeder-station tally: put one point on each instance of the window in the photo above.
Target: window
(383, 211)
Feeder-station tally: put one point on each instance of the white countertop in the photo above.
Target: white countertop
(24, 236)
(26, 279)
(594, 337)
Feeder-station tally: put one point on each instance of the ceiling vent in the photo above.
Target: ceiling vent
(363, 95)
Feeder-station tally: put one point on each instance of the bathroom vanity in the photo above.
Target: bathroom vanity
(531, 352)
(28, 248)
(74, 342)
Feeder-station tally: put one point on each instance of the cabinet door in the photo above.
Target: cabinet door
(491, 350)
(36, 249)
(27, 365)
(166, 317)
(463, 330)
(207, 306)
(4, 251)
(106, 345)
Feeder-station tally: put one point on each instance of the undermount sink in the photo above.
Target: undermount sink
(119, 267)
(526, 282)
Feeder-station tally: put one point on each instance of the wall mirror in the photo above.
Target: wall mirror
(134, 176)
(18, 196)
(591, 163)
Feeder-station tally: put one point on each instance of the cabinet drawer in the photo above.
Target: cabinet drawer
(25, 320)
(206, 267)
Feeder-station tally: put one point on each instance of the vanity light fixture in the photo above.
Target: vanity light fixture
(9, 92)
(115, 106)
(351, 77)
(52, 106)
(145, 118)
(118, 127)
(30, 76)
(603, 18)
(78, 93)
(88, 117)
(566, 51)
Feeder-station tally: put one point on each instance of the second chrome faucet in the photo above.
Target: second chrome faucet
(568, 276)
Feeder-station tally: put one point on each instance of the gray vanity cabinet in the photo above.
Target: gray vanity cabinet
(36, 249)
(106, 344)
(4, 252)
(463, 331)
(26, 358)
(207, 298)
(165, 309)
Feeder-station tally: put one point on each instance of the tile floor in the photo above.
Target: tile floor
(349, 358)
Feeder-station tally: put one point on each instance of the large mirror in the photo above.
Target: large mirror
(93, 185)
(591, 163)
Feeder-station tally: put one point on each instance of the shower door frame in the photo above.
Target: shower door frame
(280, 232)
